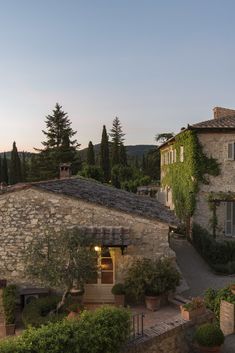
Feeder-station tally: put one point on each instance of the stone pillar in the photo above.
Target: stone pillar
(227, 317)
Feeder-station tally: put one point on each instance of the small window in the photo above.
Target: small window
(174, 156)
(231, 148)
(181, 153)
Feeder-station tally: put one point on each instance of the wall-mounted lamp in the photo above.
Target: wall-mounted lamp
(97, 248)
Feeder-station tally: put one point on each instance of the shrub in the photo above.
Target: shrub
(219, 254)
(36, 313)
(213, 298)
(209, 335)
(104, 331)
(119, 289)
(9, 303)
(147, 276)
(194, 304)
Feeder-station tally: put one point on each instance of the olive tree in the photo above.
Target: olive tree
(62, 260)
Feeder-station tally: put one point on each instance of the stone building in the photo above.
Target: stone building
(217, 138)
(122, 225)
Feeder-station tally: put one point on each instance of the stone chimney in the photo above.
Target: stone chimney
(220, 112)
(65, 170)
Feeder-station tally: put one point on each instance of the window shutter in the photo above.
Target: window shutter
(231, 151)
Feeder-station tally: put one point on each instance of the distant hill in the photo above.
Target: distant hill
(132, 150)
(8, 154)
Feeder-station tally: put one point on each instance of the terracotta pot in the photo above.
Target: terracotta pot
(152, 303)
(191, 314)
(232, 288)
(210, 349)
(7, 330)
(119, 299)
(72, 315)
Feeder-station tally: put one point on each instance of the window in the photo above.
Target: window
(231, 149)
(181, 153)
(174, 156)
(230, 218)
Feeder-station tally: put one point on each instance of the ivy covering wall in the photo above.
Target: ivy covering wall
(185, 177)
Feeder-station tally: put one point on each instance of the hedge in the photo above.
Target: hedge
(104, 331)
(220, 255)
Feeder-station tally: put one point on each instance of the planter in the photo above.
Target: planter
(7, 330)
(210, 349)
(232, 288)
(119, 299)
(152, 303)
(191, 314)
(73, 315)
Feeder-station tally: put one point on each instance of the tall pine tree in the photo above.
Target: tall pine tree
(104, 155)
(90, 154)
(117, 139)
(59, 146)
(5, 177)
(15, 166)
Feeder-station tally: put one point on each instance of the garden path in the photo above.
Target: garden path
(195, 270)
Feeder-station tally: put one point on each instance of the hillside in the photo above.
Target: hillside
(132, 150)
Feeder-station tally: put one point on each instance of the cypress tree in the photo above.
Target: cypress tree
(24, 167)
(15, 166)
(117, 140)
(104, 155)
(90, 154)
(123, 156)
(5, 178)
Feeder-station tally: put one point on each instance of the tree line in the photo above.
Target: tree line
(111, 165)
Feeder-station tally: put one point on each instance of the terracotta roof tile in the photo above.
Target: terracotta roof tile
(227, 122)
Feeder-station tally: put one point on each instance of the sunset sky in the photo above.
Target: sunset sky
(157, 65)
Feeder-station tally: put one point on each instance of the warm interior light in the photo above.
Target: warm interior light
(97, 248)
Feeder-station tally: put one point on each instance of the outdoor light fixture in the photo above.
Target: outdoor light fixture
(97, 248)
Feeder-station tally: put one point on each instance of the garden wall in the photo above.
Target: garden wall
(175, 336)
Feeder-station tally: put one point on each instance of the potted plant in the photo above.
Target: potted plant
(153, 297)
(119, 292)
(209, 338)
(232, 288)
(194, 308)
(9, 306)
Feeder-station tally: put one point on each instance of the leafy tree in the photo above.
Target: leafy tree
(24, 167)
(92, 171)
(15, 166)
(104, 155)
(64, 260)
(163, 137)
(90, 154)
(59, 147)
(117, 139)
(5, 177)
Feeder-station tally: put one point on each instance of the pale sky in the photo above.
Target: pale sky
(157, 65)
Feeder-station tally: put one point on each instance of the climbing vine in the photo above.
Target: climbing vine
(184, 177)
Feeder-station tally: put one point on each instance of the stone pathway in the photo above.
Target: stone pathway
(195, 270)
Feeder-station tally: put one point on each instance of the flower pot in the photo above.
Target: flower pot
(232, 288)
(210, 349)
(119, 299)
(152, 303)
(191, 314)
(7, 330)
(73, 315)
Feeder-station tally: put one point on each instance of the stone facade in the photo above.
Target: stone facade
(24, 215)
(215, 145)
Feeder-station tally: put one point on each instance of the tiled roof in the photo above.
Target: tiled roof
(107, 236)
(227, 122)
(95, 192)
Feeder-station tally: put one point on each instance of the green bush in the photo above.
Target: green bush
(36, 313)
(9, 303)
(118, 289)
(219, 254)
(147, 276)
(209, 335)
(213, 298)
(104, 331)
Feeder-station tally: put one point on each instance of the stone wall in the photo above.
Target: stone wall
(25, 214)
(175, 336)
(216, 146)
